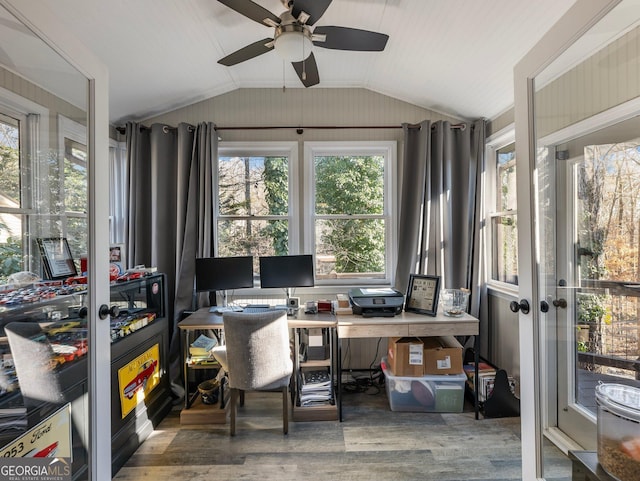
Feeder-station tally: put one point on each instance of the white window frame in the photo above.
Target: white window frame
(265, 149)
(34, 142)
(387, 149)
(494, 143)
(72, 130)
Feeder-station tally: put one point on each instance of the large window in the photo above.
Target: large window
(11, 198)
(43, 191)
(256, 199)
(348, 197)
(503, 219)
(24, 134)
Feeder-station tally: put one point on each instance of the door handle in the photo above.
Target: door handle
(104, 311)
(523, 306)
(560, 303)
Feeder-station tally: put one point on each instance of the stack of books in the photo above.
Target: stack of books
(200, 350)
(486, 379)
(315, 388)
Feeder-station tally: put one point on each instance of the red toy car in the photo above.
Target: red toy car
(140, 381)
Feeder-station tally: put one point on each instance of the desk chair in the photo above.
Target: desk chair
(257, 357)
(32, 355)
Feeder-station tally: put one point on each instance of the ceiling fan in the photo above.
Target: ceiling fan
(293, 38)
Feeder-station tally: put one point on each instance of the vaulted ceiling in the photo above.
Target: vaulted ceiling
(452, 56)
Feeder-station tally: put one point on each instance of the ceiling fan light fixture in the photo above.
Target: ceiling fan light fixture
(293, 46)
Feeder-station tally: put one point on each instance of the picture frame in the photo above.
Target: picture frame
(117, 257)
(422, 294)
(57, 258)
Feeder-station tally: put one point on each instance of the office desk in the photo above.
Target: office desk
(354, 326)
(406, 324)
(202, 319)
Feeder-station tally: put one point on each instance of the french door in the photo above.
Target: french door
(589, 190)
(66, 81)
(577, 224)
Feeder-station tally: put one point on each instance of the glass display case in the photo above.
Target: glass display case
(51, 317)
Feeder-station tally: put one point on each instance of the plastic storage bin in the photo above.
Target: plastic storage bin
(619, 430)
(432, 393)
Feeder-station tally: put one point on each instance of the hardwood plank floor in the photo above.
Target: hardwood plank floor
(371, 444)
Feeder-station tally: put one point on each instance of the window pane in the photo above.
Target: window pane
(9, 163)
(253, 237)
(504, 230)
(349, 184)
(11, 224)
(253, 186)
(11, 249)
(607, 254)
(77, 238)
(350, 248)
(75, 177)
(506, 179)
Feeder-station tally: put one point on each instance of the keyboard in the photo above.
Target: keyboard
(253, 308)
(221, 309)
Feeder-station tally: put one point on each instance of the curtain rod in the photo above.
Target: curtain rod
(300, 129)
(461, 126)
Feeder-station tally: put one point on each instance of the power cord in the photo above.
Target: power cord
(371, 382)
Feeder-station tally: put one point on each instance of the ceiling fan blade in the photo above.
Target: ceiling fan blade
(246, 53)
(307, 70)
(251, 10)
(314, 8)
(344, 38)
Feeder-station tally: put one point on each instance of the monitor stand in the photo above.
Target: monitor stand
(223, 295)
(292, 303)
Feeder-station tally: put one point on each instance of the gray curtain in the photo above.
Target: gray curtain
(441, 204)
(171, 211)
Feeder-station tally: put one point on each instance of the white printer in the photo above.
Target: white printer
(376, 302)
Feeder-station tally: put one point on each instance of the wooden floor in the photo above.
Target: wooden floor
(371, 444)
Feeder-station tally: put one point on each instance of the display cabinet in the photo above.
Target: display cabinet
(54, 315)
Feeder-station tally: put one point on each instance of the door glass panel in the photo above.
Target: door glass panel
(606, 190)
(44, 320)
(587, 220)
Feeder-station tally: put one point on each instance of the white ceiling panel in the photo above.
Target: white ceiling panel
(453, 56)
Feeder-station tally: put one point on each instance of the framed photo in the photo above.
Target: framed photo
(117, 258)
(57, 258)
(422, 295)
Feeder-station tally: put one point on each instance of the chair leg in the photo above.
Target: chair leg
(285, 410)
(234, 411)
(241, 397)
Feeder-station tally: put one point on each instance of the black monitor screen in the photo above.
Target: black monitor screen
(222, 273)
(286, 271)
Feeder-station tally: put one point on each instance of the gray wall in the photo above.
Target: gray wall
(501, 334)
(308, 108)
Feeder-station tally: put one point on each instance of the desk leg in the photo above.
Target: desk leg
(476, 360)
(185, 374)
(339, 364)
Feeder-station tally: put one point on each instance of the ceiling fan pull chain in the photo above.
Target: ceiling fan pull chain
(304, 63)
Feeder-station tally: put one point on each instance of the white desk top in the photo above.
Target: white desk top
(352, 326)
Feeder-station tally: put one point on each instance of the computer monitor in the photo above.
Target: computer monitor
(223, 273)
(286, 272)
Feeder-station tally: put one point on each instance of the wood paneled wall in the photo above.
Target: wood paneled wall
(608, 78)
(302, 107)
(30, 91)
